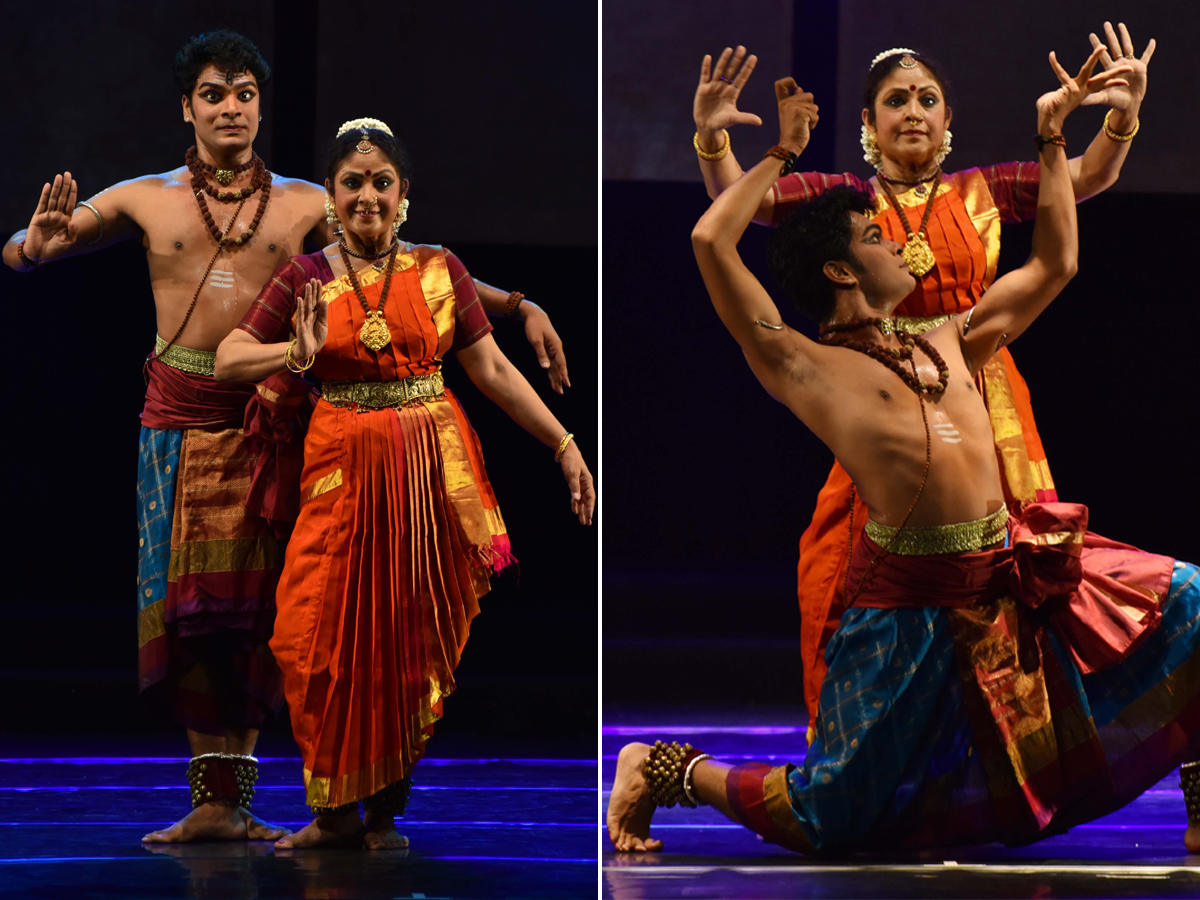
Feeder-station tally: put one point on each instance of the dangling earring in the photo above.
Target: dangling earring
(870, 148)
(944, 149)
(331, 215)
(401, 216)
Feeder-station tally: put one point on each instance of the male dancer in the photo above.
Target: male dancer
(214, 230)
(977, 691)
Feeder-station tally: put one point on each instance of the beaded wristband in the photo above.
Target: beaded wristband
(562, 446)
(1117, 136)
(711, 157)
(25, 260)
(781, 153)
(1057, 140)
(514, 303)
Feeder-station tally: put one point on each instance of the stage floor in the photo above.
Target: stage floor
(486, 819)
(1135, 852)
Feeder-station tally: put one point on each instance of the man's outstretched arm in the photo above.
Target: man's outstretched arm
(63, 227)
(1018, 298)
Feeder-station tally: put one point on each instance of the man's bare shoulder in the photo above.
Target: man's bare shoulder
(145, 185)
(297, 187)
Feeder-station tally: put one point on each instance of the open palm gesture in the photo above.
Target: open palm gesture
(715, 105)
(312, 322)
(1054, 107)
(50, 230)
(1116, 52)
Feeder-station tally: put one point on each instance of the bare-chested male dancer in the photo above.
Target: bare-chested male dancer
(996, 678)
(214, 232)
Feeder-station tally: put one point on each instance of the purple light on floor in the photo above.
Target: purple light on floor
(704, 729)
(123, 760)
(423, 823)
(550, 859)
(270, 787)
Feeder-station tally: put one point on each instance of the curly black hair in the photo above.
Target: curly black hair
(889, 64)
(389, 146)
(816, 233)
(227, 50)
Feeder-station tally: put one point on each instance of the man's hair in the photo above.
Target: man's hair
(345, 146)
(227, 50)
(816, 233)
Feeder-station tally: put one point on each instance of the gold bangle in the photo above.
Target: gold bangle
(562, 446)
(711, 157)
(1115, 136)
(290, 361)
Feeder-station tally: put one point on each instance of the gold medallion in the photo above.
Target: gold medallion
(917, 254)
(374, 334)
(225, 176)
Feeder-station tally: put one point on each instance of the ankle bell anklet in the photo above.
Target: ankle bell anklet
(668, 771)
(335, 810)
(391, 800)
(216, 777)
(1189, 780)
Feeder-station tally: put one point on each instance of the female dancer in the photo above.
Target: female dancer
(952, 245)
(398, 528)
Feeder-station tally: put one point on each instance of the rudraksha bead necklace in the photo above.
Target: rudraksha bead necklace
(374, 333)
(200, 186)
(891, 358)
(226, 176)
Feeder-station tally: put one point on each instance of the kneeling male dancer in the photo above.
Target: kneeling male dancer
(1002, 675)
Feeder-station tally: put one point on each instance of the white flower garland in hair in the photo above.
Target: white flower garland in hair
(375, 124)
(886, 53)
(944, 149)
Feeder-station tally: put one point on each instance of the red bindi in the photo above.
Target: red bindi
(911, 87)
(368, 171)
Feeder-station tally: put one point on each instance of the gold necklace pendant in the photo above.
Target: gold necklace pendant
(225, 176)
(374, 333)
(918, 255)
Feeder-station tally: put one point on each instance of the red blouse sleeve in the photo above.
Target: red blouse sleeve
(269, 318)
(1014, 187)
(800, 187)
(471, 322)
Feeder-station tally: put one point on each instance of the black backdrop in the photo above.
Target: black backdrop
(505, 175)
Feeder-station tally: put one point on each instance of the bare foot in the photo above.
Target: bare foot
(258, 830)
(345, 830)
(1191, 839)
(629, 805)
(207, 822)
(381, 833)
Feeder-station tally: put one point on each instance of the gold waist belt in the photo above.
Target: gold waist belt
(198, 362)
(384, 394)
(961, 537)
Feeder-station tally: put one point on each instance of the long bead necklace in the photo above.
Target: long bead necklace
(917, 252)
(918, 387)
(374, 333)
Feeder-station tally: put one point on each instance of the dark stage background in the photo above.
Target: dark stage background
(498, 108)
(709, 482)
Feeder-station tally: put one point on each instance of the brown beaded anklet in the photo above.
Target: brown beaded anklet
(222, 777)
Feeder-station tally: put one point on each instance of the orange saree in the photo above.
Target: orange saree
(964, 234)
(398, 528)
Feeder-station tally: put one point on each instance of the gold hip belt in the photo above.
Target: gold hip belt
(933, 540)
(198, 362)
(384, 394)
